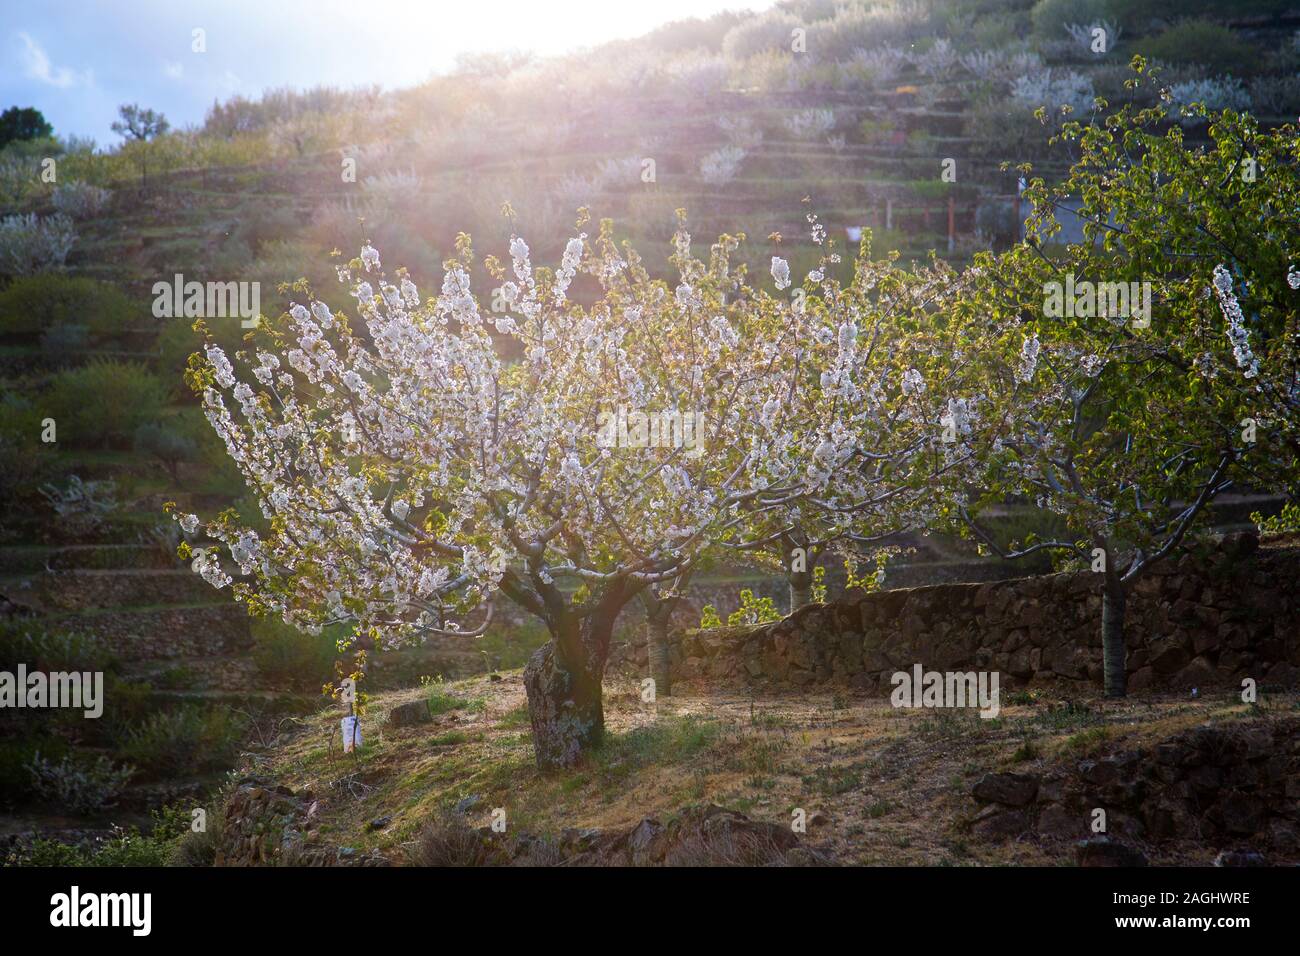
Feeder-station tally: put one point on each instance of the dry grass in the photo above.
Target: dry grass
(882, 786)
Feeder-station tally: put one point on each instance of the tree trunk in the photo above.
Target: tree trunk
(1113, 653)
(563, 682)
(656, 634)
(798, 570)
(800, 590)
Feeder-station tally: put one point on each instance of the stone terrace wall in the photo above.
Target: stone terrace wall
(1205, 619)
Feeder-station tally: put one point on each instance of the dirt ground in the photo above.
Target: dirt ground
(877, 785)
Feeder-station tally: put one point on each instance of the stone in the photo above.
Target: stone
(1057, 823)
(995, 823)
(1240, 858)
(410, 714)
(1008, 789)
(1199, 673)
(1168, 657)
(466, 804)
(1103, 851)
(1242, 814)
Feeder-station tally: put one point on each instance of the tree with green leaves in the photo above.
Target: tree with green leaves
(18, 124)
(1135, 377)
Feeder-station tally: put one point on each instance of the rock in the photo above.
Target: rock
(1284, 836)
(1141, 679)
(1199, 673)
(466, 804)
(995, 823)
(408, 715)
(1168, 657)
(379, 823)
(645, 842)
(1008, 789)
(1240, 544)
(1240, 858)
(1242, 814)
(1057, 823)
(1103, 851)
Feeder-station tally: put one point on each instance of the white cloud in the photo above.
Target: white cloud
(173, 69)
(37, 65)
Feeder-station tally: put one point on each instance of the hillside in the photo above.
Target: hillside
(894, 118)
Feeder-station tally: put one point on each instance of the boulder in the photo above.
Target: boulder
(410, 714)
(1008, 789)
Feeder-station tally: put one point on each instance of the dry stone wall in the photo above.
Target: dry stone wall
(1208, 618)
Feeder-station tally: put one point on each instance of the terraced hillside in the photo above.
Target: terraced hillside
(895, 117)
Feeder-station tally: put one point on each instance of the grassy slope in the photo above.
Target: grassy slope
(894, 785)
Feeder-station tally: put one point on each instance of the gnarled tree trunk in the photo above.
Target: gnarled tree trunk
(563, 682)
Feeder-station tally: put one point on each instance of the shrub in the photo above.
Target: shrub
(810, 124)
(45, 650)
(82, 506)
(1225, 93)
(1275, 95)
(753, 610)
(167, 444)
(767, 32)
(938, 62)
(61, 340)
(16, 755)
(198, 849)
(1207, 44)
(1051, 17)
(721, 166)
(78, 200)
(84, 786)
(1064, 88)
(1287, 521)
(449, 841)
(31, 244)
(185, 740)
(34, 304)
(104, 400)
(125, 847)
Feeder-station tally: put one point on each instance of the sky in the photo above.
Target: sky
(77, 61)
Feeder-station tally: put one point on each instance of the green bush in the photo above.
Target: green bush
(183, 741)
(45, 650)
(1203, 43)
(1142, 12)
(77, 784)
(166, 843)
(1050, 17)
(16, 756)
(31, 305)
(103, 401)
